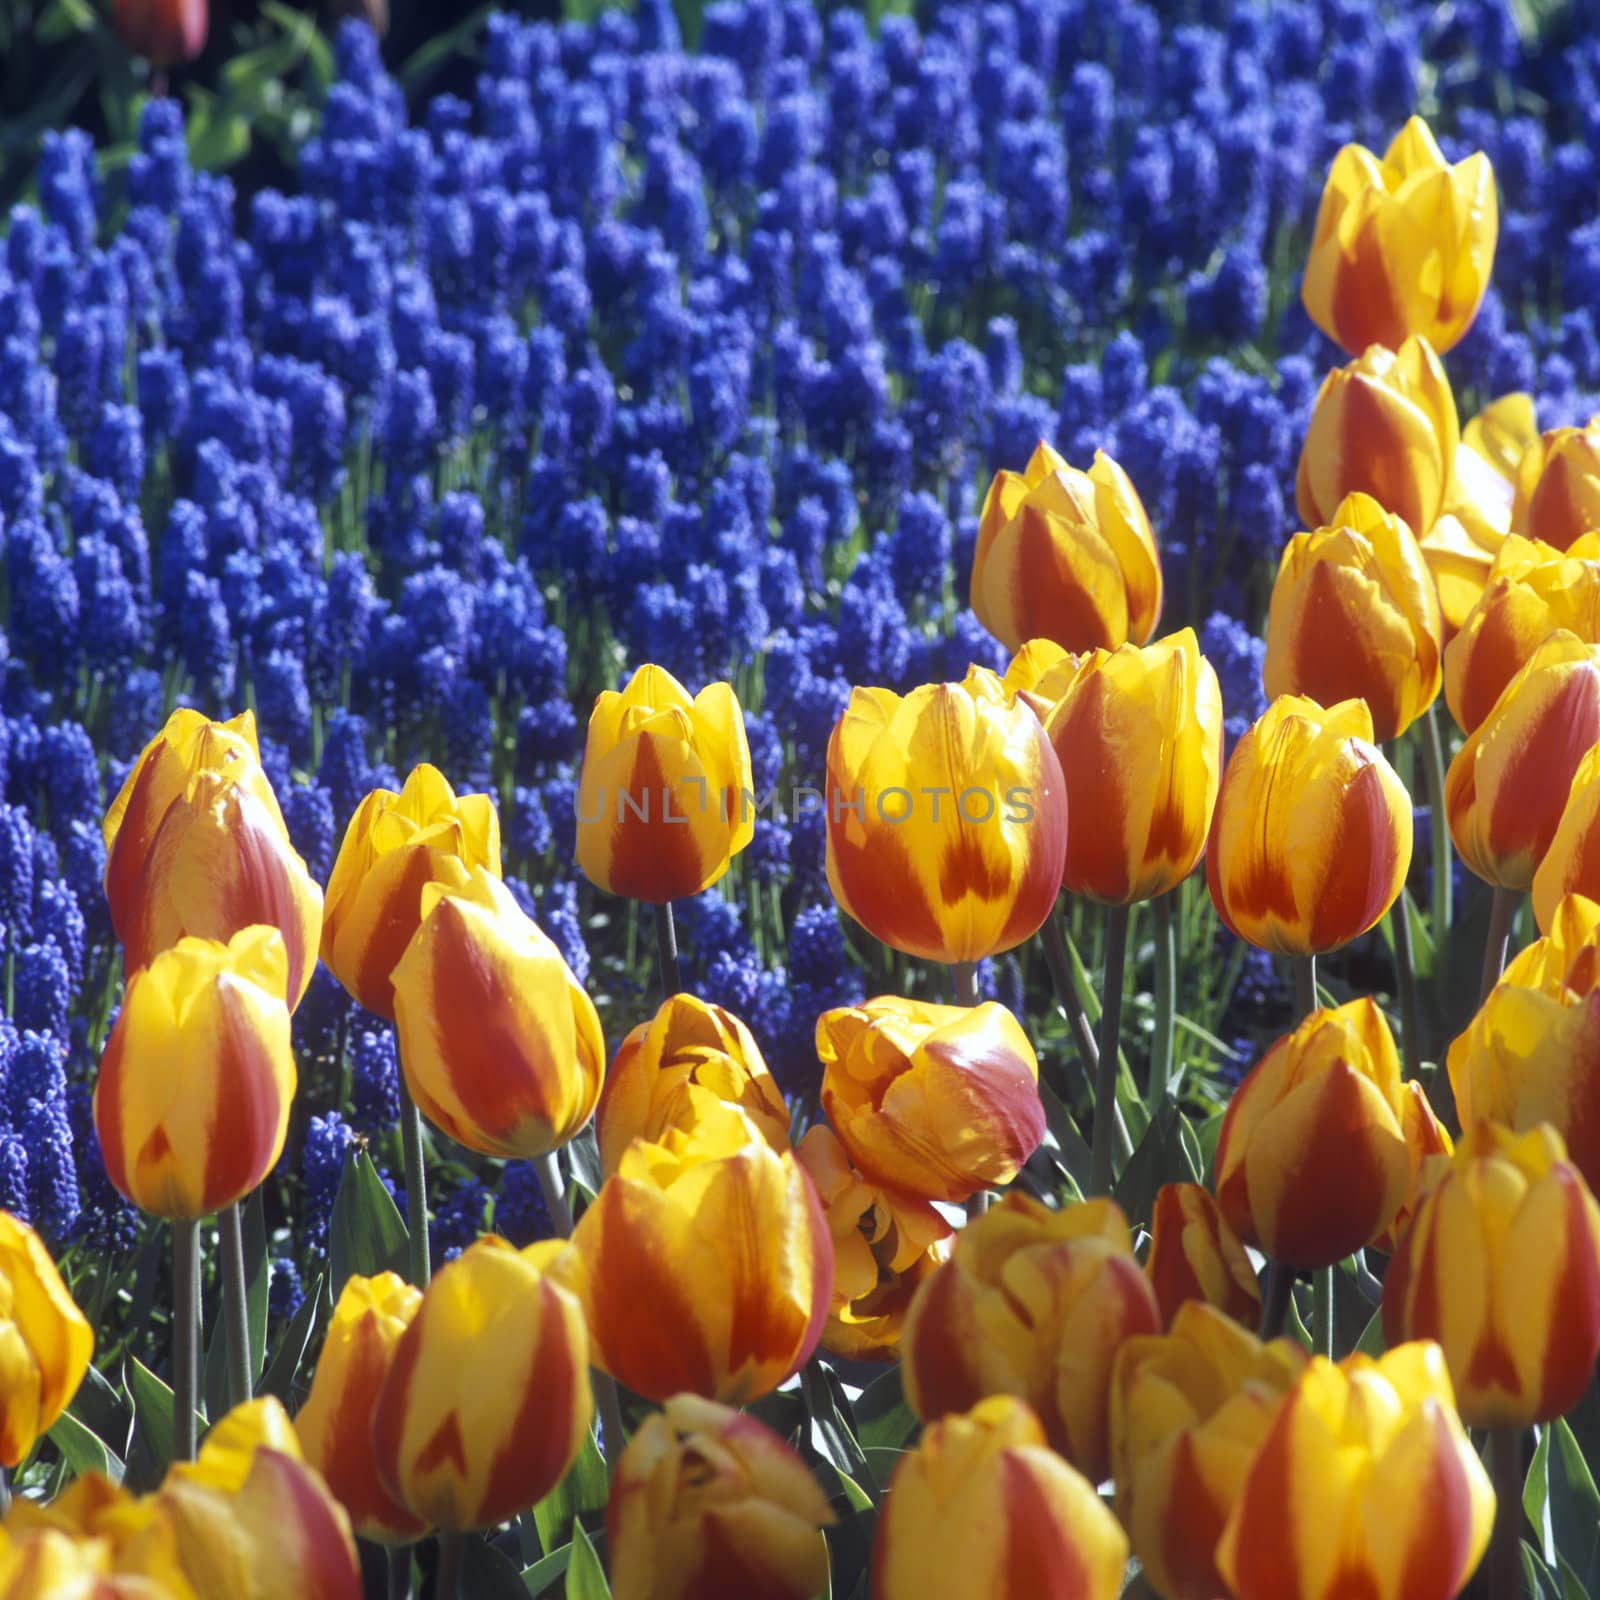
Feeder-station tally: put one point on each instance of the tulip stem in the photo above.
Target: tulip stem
(5, 1490)
(667, 950)
(185, 1337)
(452, 1553)
(400, 1572)
(235, 1299)
(964, 975)
(1275, 1302)
(1305, 986)
(1322, 1312)
(1505, 1545)
(1405, 972)
(1502, 913)
(1443, 879)
(416, 1186)
(1105, 1087)
(1166, 1002)
(548, 1168)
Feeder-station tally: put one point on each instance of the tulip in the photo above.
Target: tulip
(1532, 1053)
(723, 1239)
(1312, 1161)
(1188, 1412)
(689, 1059)
(1040, 667)
(708, 1501)
(46, 1564)
(1572, 863)
(394, 845)
(192, 1102)
(487, 1398)
(665, 795)
(982, 1507)
(1532, 589)
(165, 31)
(45, 1341)
(1365, 1484)
(1509, 781)
(1426, 1137)
(1355, 615)
(1558, 486)
(1385, 425)
(1402, 246)
(934, 1101)
(1034, 1303)
(334, 1425)
(1138, 734)
(1066, 555)
(1195, 1255)
(1502, 1268)
(500, 1045)
(885, 1245)
(946, 818)
(1311, 840)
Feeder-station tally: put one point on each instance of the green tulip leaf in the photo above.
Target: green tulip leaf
(367, 1234)
(586, 1579)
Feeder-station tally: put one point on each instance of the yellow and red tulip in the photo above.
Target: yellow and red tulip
(1195, 1255)
(46, 1564)
(933, 1101)
(946, 818)
(1426, 1137)
(192, 1102)
(163, 30)
(1558, 486)
(1572, 863)
(394, 846)
(707, 1501)
(1311, 840)
(665, 798)
(1041, 668)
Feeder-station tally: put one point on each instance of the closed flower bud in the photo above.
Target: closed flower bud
(1366, 1483)
(1402, 246)
(192, 1101)
(884, 1245)
(1034, 1303)
(165, 31)
(335, 1424)
(724, 1240)
(946, 818)
(690, 1059)
(1558, 486)
(983, 1507)
(665, 799)
(1572, 863)
(1312, 1161)
(1502, 1267)
(500, 1044)
(395, 844)
(487, 1398)
(934, 1101)
(1138, 734)
(1507, 786)
(1355, 615)
(707, 1501)
(1188, 1412)
(1311, 840)
(1385, 426)
(1532, 589)
(1195, 1255)
(1066, 555)
(45, 1341)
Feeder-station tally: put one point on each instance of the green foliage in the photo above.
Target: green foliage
(367, 1234)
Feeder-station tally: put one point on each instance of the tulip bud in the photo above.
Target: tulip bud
(946, 818)
(1066, 555)
(1558, 486)
(1572, 863)
(1188, 1412)
(192, 1103)
(1331, 1503)
(1509, 781)
(1426, 1137)
(394, 845)
(1385, 425)
(1402, 246)
(1138, 734)
(724, 1240)
(982, 1507)
(1195, 1255)
(708, 1501)
(1502, 1267)
(1532, 589)
(487, 1399)
(1311, 840)
(47, 1564)
(1041, 668)
(335, 1424)
(1312, 1161)
(934, 1101)
(165, 31)
(1355, 615)
(500, 1045)
(45, 1341)
(1032, 1302)
(664, 799)
(884, 1246)
(688, 1060)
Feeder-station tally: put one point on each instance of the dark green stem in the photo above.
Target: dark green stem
(548, 1169)
(964, 977)
(185, 1337)
(1105, 1087)
(1275, 1299)
(1166, 1001)
(1305, 986)
(667, 950)
(235, 1301)
(1322, 1312)
(1405, 972)
(1505, 1545)
(452, 1553)
(416, 1185)
(1443, 882)
(400, 1573)
(1502, 913)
